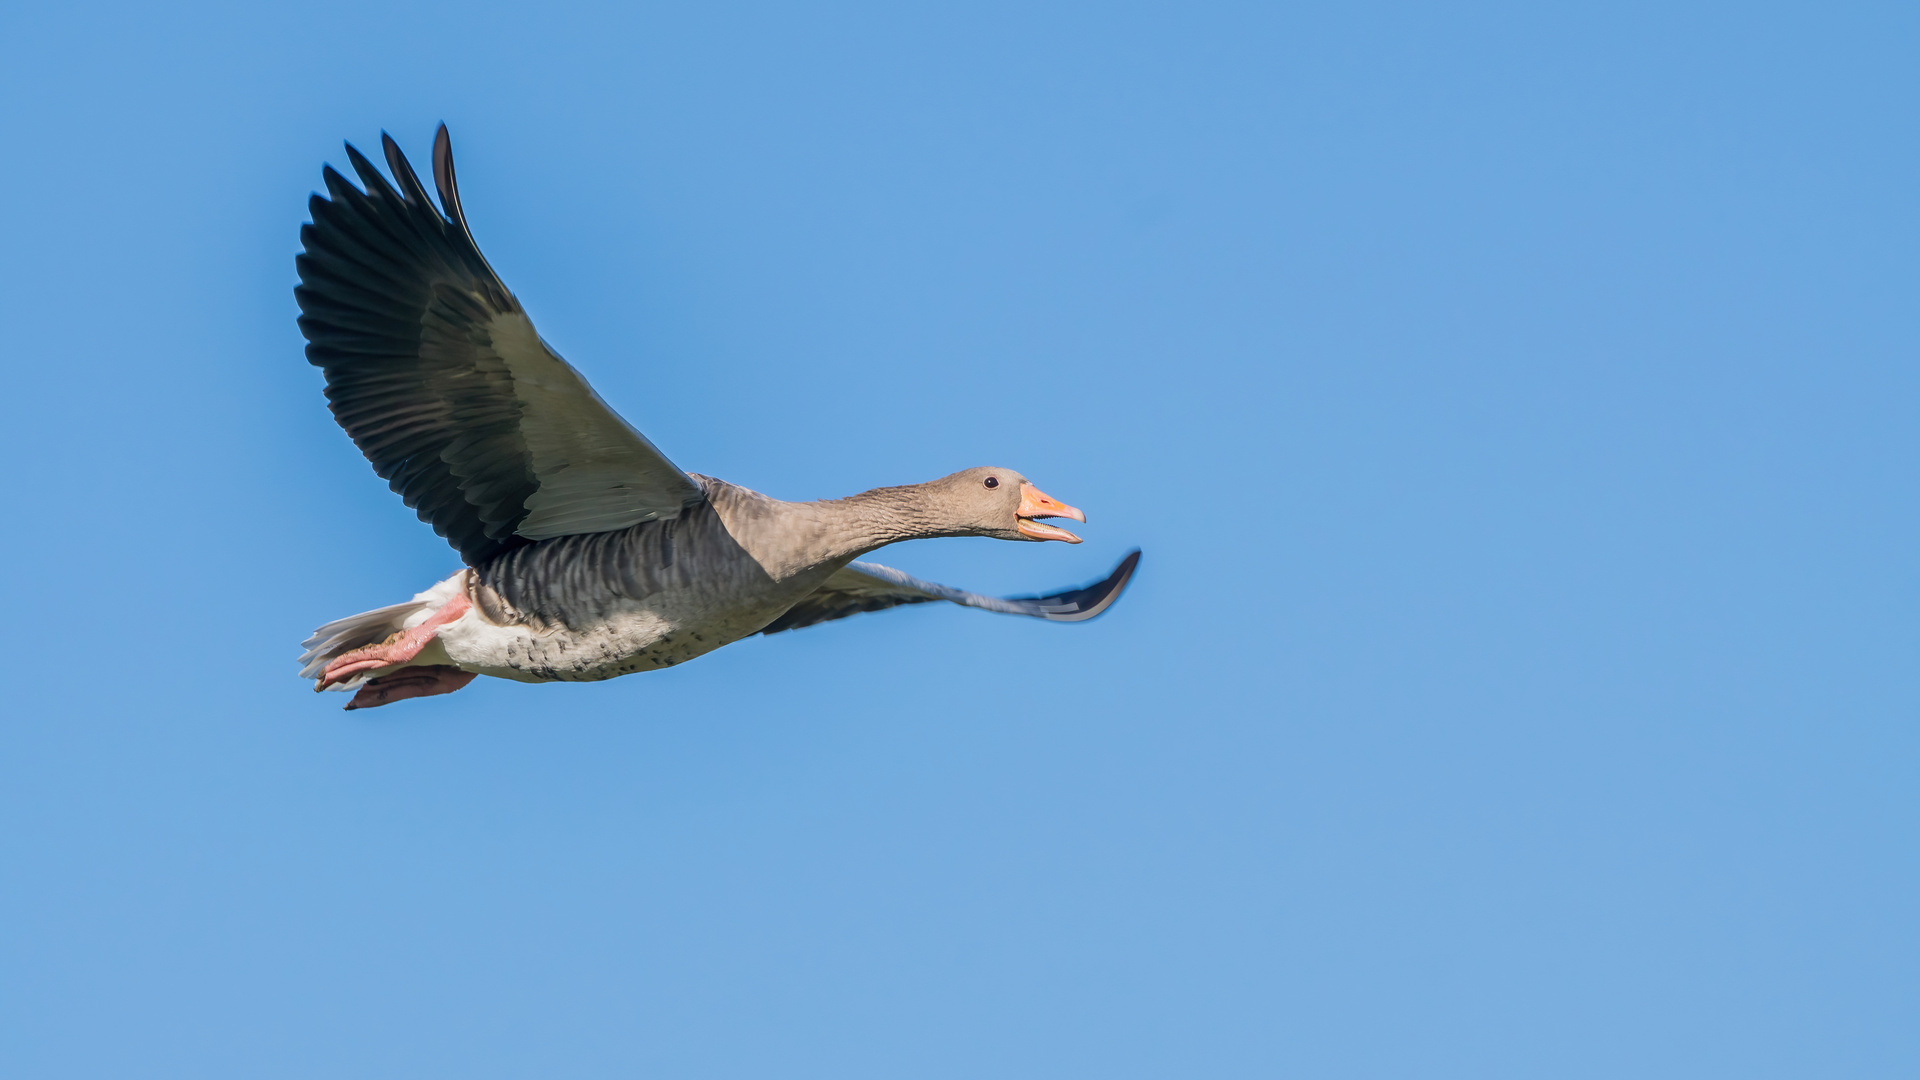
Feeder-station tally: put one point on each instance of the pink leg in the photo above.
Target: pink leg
(397, 649)
(425, 680)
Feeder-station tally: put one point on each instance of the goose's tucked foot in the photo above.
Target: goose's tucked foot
(410, 682)
(398, 649)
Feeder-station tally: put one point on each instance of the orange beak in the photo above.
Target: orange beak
(1035, 503)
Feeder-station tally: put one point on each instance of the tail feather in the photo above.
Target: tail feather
(345, 635)
(368, 628)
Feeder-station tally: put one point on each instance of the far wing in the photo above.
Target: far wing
(872, 587)
(437, 374)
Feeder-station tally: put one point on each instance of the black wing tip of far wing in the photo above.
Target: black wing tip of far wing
(1079, 605)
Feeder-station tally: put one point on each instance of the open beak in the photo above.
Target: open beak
(1035, 503)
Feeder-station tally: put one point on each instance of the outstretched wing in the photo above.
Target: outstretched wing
(437, 374)
(872, 587)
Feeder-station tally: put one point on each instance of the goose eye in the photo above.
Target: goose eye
(993, 481)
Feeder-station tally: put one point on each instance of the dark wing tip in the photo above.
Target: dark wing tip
(449, 188)
(402, 172)
(1079, 605)
(370, 178)
(443, 177)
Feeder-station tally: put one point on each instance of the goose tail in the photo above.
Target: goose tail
(370, 628)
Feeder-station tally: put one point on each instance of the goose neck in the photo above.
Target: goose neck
(860, 523)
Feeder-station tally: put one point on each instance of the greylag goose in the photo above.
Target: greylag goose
(588, 554)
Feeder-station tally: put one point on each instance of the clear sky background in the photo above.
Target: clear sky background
(1516, 408)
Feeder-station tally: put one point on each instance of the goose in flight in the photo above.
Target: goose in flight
(588, 554)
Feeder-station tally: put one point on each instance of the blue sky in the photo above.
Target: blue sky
(1515, 407)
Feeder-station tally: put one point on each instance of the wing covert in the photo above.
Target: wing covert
(872, 587)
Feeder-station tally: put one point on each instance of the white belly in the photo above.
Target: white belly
(644, 638)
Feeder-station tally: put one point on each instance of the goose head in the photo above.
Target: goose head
(1002, 504)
